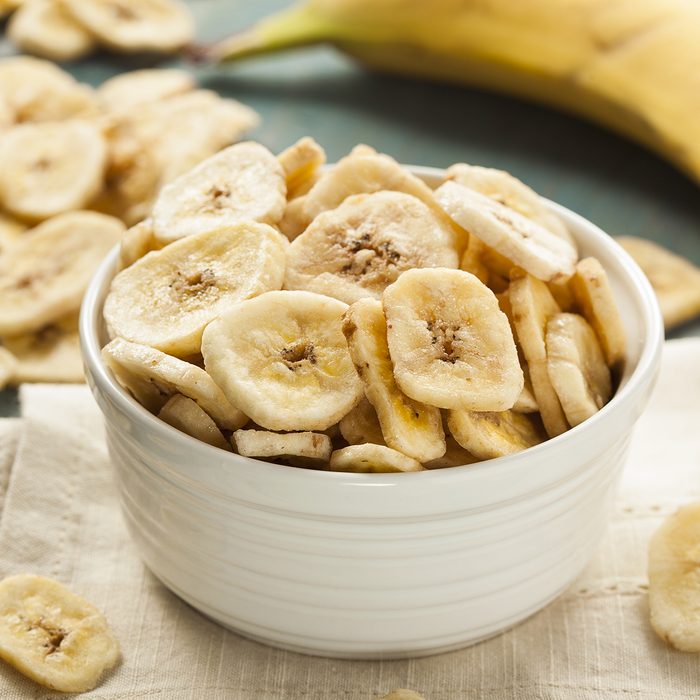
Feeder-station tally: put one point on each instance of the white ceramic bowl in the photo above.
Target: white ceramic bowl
(375, 565)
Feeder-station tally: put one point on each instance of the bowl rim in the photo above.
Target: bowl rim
(501, 467)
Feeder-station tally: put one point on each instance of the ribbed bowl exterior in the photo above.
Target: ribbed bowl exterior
(370, 566)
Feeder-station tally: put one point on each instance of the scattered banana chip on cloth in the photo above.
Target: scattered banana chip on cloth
(675, 280)
(52, 635)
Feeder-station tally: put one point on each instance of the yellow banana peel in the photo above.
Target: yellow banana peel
(632, 65)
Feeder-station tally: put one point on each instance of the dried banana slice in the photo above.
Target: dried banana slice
(674, 579)
(7, 116)
(490, 435)
(372, 458)
(505, 189)
(532, 306)
(361, 247)
(45, 276)
(283, 359)
(53, 636)
(242, 182)
(185, 415)
(8, 366)
(39, 91)
(136, 242)
(455, 456)
(51, 354)
(361, 425)
(576, 367)
(299, 449)
(11, 231)
(407, 425)
(301, 163)
(166, 298)
(49, 169)
(526, 243)
(45, 28)
(135, 25)
(595, 299)
(675, 280)
(293, 222)
(451, 345)
(153, 377)
(126, 91)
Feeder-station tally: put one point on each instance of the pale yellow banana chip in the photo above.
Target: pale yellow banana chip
(361, 247)
(576, 367)
(408, 426)
(293, 221)
(301, 163)
(244, 182)
(187, 416)
(372, 458)
(532, 306)
(675, 280)
(283, 359)
(11, 231)
(455, 456)
(361, 425)
(490, 435)
(46, 29)
(305, 449)
(53, 636)
(8, 366)
(674, 579)
(136, 242)
(51, 168)
(524, 242)
(44, 277)
(166, 298)
(135, 25)
(127, 91)
(595, 300)
(153, 377)
(450, 343)
(51, 354)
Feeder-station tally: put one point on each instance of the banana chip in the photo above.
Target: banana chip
(361, 425)
(299, 449)
(301, 163)
(52, 635)
(11, 231)
(455, 456)
(136, 242)
(674, 579)
(127, 91)
(187, 416)
(8, 366)
(372, 458)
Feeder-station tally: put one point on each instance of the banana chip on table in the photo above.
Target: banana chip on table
(305, 449)
(53, 636)
(674, 579)
(187, 416)
(675, 280)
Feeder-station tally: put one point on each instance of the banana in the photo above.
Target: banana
(185, 415)
(242, 182)
(7, 116)
(595, 300)
(455, 456)
(49, 169)
(301, 163)
(166, 298)
(39, 91)
(298, 449)
(53, 636)
(8, 367)
(532, 306)
(524, 242)
(372, 458)
(46, 29)
(507, 190)
(472, 260)
(134, 26)
(283, 359)
(576, 367)
(136, 242)
(126, 91)
(51, 354)
(11, 231)
(153, 377)
(361, 247)
(408, 426)
(361, 425)
(293, 222)
(451, 345)
(490, 435)
(614, 62)
(674, 579)
(43, 277)
(675, 280)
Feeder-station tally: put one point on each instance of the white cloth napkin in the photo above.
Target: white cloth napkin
(61, 519)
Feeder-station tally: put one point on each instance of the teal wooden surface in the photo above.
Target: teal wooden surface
(620, 186)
